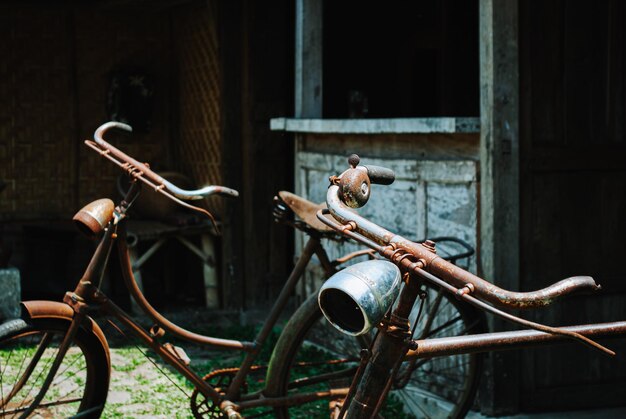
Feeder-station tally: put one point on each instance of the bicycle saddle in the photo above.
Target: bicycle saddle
(305, 210)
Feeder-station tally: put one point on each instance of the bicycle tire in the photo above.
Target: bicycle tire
(81, 383)
(430, 391)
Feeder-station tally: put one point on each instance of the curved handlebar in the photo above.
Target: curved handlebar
(153, 176)
(446, 270)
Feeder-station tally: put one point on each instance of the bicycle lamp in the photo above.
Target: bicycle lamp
(355, 299)
(93, 217)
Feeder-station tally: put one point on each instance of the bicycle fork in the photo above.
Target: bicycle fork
(387, 354)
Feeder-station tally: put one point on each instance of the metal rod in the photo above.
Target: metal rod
(417, 268)
(500, 341)
(450, 272)
(110, 308)
(168, 326)
(278, 307)
(514, 319)
(65, 344)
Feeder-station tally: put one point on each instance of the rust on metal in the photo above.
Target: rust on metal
(131, 285)
(53, 309)
(485, 342)
(355, 187)
(93, 217)
(430, 245)
(449, 272)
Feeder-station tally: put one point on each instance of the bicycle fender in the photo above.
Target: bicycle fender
(39, 309)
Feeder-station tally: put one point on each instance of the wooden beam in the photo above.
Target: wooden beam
(308, 63)
(499, 186)
(231, 40)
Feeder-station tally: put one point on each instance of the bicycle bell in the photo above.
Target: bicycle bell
(354, 184)
(355, 299)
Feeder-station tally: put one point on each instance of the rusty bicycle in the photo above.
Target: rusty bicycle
(55, 359)
(382, 295)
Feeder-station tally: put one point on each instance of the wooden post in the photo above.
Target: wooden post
(308, 63)
(499, 189)
(308, 86)
(231, 41)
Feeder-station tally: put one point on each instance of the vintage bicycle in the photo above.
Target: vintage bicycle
(55, 359)
(381, 295)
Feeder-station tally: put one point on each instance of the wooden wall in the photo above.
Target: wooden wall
(55, 69)
(220, 70)
(573, 189)
(256, 50)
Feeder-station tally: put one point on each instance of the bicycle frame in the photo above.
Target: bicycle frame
(419, 263)
(87, 298)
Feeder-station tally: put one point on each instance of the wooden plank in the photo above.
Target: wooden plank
(419, 146)
(573, 183)
(309, 39)
(499, 195)
(266, 158)
(230, 40)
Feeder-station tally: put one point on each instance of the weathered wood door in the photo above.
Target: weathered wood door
(428, 199)
(573, 189)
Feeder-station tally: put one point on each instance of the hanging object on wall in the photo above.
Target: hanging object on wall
(130, 99)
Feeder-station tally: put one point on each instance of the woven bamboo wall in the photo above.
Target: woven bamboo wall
(199, 97)
(53, 84)
(36, 139)
(121, 41)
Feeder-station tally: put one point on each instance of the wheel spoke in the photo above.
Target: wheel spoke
(27, 353)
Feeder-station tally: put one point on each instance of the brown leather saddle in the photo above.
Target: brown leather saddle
(305, 210)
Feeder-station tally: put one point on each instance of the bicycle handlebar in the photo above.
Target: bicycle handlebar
(153, 176)
(348, 191)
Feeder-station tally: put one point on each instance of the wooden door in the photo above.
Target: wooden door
(573, 190)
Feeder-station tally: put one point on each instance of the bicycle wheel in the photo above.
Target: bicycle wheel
(27, 350)
(312, 356)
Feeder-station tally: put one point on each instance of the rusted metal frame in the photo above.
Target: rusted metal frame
(310, 248)
(366, 228)
(500, 341)
(320, 378)
(293, 400)
(450, 272)
(313, 246)
(97, 265)
(43, 345)
(514, 319)
(365, 357)
(155, 181)
(168, 326)
(350, 256)
(110, 308)
(388, 350)
(411, 365)
(65, 344)
(431, 314)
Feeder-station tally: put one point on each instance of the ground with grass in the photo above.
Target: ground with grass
(143, 387)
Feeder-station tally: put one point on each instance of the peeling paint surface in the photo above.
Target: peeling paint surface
(428, 199)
